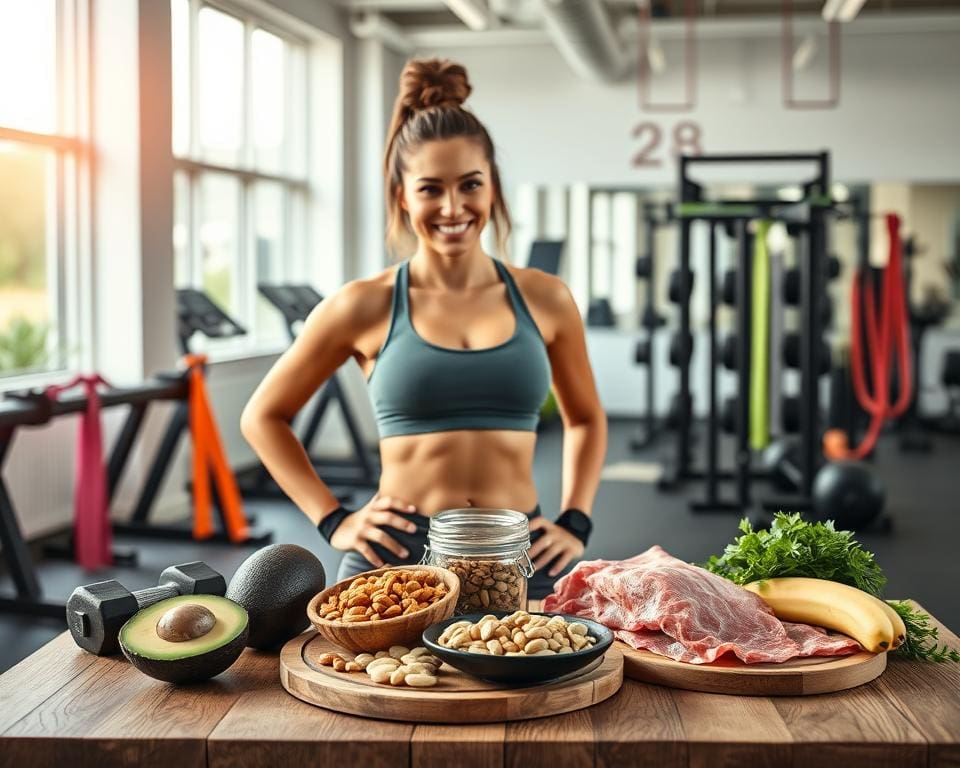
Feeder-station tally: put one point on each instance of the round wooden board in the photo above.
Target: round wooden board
(797, 677)
(457, 697)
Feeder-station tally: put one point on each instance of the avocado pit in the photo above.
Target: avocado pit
(186, 621)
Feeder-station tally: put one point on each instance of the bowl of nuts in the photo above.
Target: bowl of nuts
(518, 648)
(383, 608)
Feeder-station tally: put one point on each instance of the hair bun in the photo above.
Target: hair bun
(429, 83)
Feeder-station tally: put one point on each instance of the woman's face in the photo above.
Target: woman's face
(448, 194)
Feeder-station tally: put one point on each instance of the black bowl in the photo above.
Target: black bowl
(518, 670)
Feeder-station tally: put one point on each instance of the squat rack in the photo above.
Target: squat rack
(807, 218)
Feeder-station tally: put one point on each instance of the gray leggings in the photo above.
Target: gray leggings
(538, 586)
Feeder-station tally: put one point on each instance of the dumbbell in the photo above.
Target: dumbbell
(642, 353)
(791, 281)
(644, 267)
(728, 289)
(96, 612)
(674, 292)
(790, 413)
(791, 353)
(728, 415)
(728, 352)
(651, 319)
(680, 349)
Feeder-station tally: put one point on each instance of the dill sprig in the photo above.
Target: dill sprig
(793, 547)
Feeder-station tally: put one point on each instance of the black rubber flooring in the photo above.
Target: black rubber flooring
(919, 556)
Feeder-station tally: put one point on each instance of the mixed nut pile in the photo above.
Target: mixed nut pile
(518, 634)
(398, 666)
(395, 593)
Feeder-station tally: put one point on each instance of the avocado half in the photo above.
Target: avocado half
(274, 585)
(187, 661)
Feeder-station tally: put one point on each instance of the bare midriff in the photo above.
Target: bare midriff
(463, 468)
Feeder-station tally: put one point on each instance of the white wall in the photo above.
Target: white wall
(898, 118)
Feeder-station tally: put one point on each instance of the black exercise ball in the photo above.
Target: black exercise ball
(849, 493)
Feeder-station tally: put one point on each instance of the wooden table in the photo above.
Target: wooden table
(63, 707)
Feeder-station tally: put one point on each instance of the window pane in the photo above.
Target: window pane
(270, 253)
(269, 96)
(217, 237)
(28, 65)
(180, 29)
(182, 272)
(221, 87)
(28, 290)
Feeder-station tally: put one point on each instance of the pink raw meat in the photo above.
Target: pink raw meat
(659, 603)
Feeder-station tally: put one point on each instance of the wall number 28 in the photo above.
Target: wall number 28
(687, 137)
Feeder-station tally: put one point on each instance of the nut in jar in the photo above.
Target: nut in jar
(489, 585)
(487, 549)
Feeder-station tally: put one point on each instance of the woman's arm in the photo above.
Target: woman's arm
(326, 341)
(584, 421)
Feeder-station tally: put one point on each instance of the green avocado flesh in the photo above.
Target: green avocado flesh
(139, 635)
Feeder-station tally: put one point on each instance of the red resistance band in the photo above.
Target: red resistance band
(887, 327)
(92, 535)
(209, 455)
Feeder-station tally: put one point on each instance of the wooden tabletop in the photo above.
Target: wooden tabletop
(64, 707)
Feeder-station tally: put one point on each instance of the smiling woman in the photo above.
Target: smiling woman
(460, 351)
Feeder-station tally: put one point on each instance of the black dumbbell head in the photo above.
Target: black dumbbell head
(728, 291)
(728, 352)
(790, 413)
(644, 267)
(728, 415)
(196, 578)
(642, 354)
(96, 612)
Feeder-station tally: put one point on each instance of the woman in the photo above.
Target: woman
(459, 351)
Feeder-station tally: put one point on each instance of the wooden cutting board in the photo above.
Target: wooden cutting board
(457, 697)
(797, 677)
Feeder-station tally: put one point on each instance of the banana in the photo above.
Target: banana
(899, 628)
(832, 605)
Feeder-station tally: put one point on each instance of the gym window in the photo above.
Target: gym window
(44, 189)
(240, 100)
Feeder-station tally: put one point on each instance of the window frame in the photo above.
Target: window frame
(71, 226)
(297, 189)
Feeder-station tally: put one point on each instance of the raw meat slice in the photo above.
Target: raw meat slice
(660, 603)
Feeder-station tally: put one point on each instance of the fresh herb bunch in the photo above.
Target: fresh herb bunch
(922, 637)
(792, 547)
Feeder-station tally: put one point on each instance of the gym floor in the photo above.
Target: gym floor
(919, 556)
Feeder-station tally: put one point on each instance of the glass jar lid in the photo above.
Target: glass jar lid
(474, 531)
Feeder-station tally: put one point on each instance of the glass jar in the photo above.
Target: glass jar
(487, 549)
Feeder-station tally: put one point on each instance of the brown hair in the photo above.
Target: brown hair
(429, 107)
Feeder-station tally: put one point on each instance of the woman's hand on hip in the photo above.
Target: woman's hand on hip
(364, 526)
(556, 545)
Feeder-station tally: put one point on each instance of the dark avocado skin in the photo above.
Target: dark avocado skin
(194, 669)
(274, 585)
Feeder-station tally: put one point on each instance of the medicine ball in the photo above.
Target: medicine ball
(848, 493)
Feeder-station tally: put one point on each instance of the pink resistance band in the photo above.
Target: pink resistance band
(91, 524)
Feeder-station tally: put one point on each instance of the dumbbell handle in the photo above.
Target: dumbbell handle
(151, 595)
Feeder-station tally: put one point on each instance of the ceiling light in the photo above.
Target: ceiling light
(839, 192)
(656, 57)
(841, 10)
(804, 53)
(792, 193)
(473, 13)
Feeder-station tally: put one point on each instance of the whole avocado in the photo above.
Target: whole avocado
(275, 584)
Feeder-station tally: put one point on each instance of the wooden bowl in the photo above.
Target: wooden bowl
(372, 636)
